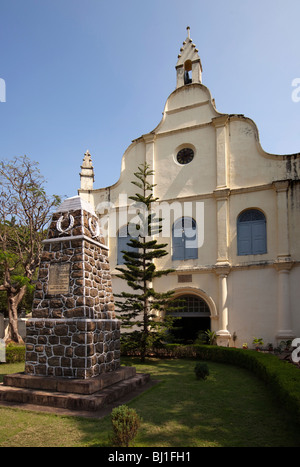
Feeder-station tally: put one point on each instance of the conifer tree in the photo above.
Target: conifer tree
(140, 308)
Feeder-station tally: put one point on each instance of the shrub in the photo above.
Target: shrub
(14, 353)
(126, 423)
(201, 370)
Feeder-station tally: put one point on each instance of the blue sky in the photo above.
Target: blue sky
(94, 74)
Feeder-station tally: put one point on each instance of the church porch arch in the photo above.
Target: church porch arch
(196, 309)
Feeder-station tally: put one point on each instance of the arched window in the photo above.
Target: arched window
(190, 306)
(123, 239)
(251, 233)
(187, 70)
(194, 314)
(184, 239)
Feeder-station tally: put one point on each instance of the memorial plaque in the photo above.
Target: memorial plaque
(185, 278)
(59, 278)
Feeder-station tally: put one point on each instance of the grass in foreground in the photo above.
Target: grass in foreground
(231, 408)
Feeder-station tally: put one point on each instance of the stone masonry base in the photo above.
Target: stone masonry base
(78, 395)
(70, 348)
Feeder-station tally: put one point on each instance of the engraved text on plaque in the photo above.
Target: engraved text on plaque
(59, 278)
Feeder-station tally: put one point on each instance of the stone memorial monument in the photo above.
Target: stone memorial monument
(73, 331)
(73, 337)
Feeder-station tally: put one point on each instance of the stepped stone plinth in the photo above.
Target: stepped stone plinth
(88, 395)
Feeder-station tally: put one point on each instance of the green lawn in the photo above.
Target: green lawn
(231, 408)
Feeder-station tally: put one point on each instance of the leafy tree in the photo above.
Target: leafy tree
(141, 308)
(25, 211)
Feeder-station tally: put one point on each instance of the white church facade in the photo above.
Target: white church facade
(233, 219)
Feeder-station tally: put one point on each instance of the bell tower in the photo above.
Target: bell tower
(188, 67)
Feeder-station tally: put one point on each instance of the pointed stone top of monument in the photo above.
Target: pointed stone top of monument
(87, 160)
(74, 204)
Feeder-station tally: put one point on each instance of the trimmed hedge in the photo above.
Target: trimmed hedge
(15, 353)
(282, 377)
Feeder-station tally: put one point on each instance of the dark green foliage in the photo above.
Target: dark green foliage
(125, 422)
(141, 308)
(201, 370)
(14, 353)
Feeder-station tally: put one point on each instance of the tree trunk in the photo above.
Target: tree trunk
(13, 300)
(145, 331)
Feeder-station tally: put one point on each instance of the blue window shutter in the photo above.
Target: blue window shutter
(191, 241)
(244, 234)
(191, 253)
(251, 233)
(177, 241)
(259, 243)
(184, 239)
(122, 246)
(178, 248)
(123, 239)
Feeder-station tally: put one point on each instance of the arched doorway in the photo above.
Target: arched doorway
(194, 314)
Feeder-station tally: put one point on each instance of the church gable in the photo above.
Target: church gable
(248, 250)
(186, 107)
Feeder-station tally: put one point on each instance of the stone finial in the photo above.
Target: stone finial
(87, 172)
(87, 160)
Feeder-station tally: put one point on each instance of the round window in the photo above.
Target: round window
(185, 155)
